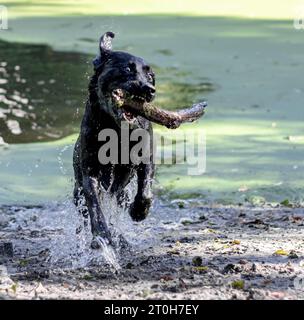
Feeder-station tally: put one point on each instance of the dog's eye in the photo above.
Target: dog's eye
(150, 77)
(128, 69)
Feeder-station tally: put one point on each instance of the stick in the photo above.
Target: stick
(170, 119)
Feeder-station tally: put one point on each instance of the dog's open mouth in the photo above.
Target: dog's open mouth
(128, 116)
(119, 99)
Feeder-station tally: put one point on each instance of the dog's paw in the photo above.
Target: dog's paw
(139, 209)
(95, 244)
(107, 249)
(99, 242)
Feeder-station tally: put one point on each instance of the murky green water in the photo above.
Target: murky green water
(250, 71)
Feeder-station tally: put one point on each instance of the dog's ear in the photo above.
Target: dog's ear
(105, 48)
(105, 43)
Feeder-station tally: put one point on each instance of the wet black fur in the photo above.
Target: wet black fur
(112, 70)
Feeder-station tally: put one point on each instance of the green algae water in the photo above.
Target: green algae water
(249, 71)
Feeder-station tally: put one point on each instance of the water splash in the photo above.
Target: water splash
(56, 235)
(62, 168)
(108, 252)
(72, 247)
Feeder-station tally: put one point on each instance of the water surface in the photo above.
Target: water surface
(250, 71)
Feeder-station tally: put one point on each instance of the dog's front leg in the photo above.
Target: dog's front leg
(98, 223)
(139, 209)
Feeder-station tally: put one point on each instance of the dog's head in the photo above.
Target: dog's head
(116, 70)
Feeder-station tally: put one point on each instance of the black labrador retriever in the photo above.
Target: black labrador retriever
(119, 77)
(112, 70)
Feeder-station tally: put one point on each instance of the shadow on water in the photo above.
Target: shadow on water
(43, 92)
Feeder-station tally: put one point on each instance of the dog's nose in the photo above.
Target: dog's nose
(148, 90)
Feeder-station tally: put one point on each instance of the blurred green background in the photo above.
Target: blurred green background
(244, 57)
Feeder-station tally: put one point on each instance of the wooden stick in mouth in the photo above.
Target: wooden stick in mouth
(169, 119)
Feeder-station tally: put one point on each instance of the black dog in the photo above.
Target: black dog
(112, 70)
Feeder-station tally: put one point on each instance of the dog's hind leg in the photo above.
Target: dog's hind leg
(78, 195)
(99, 226)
